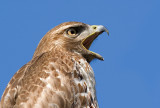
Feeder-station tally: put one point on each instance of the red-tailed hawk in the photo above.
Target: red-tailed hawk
(59, 74)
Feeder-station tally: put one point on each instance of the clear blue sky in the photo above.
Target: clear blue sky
(130, 75)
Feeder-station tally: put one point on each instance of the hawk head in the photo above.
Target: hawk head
(75, 37)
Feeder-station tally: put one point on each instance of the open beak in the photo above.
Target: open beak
(97, 30)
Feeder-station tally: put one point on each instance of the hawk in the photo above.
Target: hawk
(59, 74)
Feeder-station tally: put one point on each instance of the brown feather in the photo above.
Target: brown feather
(56, 77)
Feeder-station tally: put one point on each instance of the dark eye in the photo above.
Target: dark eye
(72, 32)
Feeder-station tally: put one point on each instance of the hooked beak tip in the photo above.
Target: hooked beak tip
(107, 31)
(100, 28)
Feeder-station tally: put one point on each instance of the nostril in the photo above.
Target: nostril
(94, 27)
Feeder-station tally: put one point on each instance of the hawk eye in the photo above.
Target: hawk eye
(72, 32)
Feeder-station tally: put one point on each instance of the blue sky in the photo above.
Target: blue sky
(130, 75)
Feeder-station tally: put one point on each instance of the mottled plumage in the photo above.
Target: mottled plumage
(59, 74)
